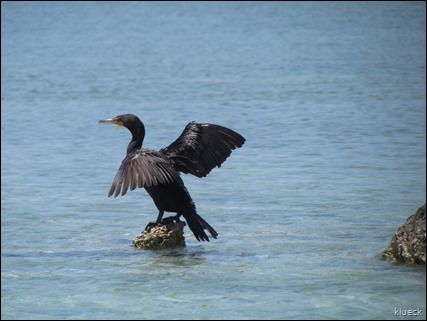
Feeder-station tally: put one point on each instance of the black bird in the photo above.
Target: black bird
(199, 149)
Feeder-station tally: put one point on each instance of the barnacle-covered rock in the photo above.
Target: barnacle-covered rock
(408, 244)
(161, 236)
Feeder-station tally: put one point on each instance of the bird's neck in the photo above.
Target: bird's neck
(137, 139)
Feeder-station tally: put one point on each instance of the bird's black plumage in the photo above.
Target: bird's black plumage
(199, 149)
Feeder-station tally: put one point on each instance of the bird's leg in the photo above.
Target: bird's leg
(159, 220)
(159, 217)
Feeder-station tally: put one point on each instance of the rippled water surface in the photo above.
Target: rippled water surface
(331, 99)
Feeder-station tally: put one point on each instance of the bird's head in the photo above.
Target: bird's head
(135, 126)
(129, 121)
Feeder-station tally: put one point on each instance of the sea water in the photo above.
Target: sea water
(331, 98)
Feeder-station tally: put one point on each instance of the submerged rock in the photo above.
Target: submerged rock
(408, 245)
(162, 236)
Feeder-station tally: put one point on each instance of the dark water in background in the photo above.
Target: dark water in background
(331, 98)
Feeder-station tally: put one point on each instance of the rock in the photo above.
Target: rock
(408, 244)
(161, 236)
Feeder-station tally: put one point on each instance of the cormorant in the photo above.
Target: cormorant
(199, 149)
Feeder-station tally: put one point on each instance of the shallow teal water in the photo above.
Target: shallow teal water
(331, 99)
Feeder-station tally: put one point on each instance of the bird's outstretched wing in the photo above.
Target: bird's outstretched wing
(143, 168)
(202, 147)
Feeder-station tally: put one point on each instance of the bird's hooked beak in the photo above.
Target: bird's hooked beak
(111, 121)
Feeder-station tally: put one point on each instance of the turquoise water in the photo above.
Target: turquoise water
(331, 99)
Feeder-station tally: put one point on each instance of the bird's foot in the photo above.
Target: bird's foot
(150, 225)
(165, 221)
(171, 219)
(168, 220)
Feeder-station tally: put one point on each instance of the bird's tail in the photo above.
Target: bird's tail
(197, 225)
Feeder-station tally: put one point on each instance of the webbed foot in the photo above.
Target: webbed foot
(168, 220)
(150, 225)
(165, 221)
(171, 219)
